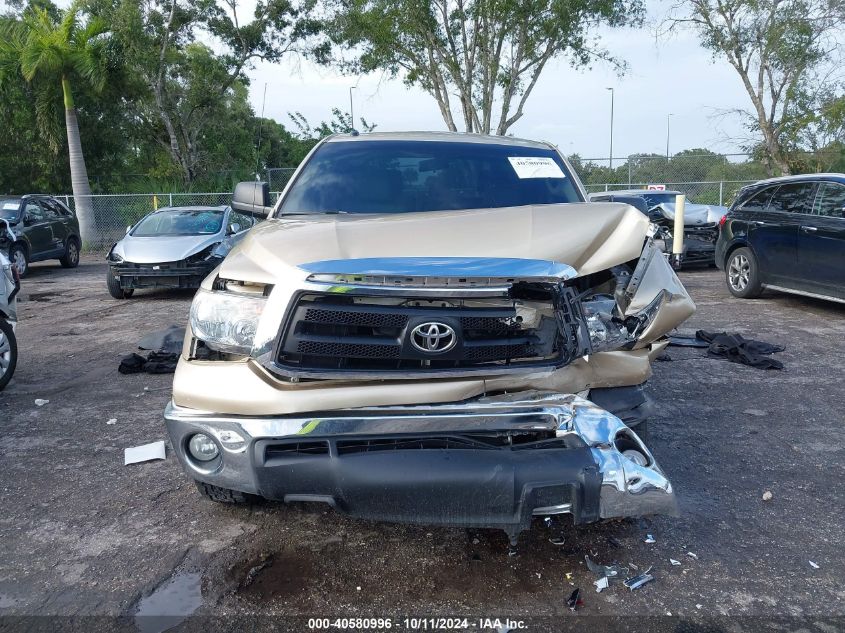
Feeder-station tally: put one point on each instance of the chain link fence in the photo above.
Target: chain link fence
(114, 212)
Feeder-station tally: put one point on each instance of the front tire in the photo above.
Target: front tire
(115, 289)
(224, 495)
(17, 255)
(8, 352)
(742, 274)
(71, 257)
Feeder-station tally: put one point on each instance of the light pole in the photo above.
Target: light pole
(610, 162)
(351, 110)
(667, 136)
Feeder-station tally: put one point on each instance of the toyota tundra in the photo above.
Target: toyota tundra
(430, 328)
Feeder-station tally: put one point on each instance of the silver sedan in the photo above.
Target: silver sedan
(174, 247)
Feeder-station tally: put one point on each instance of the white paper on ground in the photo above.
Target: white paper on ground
(143, 453)
(535, 167)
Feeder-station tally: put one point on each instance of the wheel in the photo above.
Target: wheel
(743, 274)
(17, 255)
(71, 256)
(224, 495)
(115, 290)
(8, 353)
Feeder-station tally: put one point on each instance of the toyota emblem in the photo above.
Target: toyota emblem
(433, 337)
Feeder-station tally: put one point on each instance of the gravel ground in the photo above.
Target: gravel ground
(82, 534)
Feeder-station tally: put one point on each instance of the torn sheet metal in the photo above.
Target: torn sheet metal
(638, 581)
(144, 453)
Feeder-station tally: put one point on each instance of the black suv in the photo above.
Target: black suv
(42, 228)
(786, 234)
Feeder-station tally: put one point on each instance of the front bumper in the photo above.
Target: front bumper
(167, 275)
(489, 462)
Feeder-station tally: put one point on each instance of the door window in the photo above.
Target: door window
(794, 197)
(245, 221)
(830, 200)
(759, 201)
(33, 212)
(49, 210)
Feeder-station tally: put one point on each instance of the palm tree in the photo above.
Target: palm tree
(49, 53)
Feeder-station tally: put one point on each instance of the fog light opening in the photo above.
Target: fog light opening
(202, 448)
(631, 449)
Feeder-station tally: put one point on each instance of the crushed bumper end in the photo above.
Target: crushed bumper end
(490, 462)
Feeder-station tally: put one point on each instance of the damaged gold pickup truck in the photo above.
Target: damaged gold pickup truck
(430, 328)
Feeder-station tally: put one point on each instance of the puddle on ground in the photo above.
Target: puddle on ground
(41, 296)
(171, 602)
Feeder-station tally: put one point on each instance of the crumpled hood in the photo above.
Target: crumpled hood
(694, 214)
(163, 248)
(587, 236)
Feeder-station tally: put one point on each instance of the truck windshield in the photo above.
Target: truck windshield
(180, 222)
(407, 176)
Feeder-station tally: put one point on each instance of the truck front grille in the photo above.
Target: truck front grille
(341, 332)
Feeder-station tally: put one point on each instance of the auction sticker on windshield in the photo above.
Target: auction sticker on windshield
(535, 167)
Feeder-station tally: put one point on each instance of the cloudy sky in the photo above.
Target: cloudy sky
(568, 107)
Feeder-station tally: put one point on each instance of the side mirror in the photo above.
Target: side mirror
(252, 198)
(234, 227)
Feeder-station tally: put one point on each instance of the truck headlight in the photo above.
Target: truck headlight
(225, 321)
(607, 332)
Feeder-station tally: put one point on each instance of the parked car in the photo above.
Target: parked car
(701, 227)
(786, 234)
(173, 247)
(42, 228)
(405, 338)
(9, 286)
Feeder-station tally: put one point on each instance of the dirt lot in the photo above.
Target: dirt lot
(82, 534)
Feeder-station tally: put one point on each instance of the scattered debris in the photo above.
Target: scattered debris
(739, 350)
(574, 601)
(611, 571)
(693, 556)
(154, 363)
(358, 588)
(634, 567)
(475, 541)
(111, 421)
(676, 563)
(40, 402)
(169, 340)
(649, 539)
(255, 570)
(602, 583)
(144, 453)
(557, 540)
(767, 496)
(569, 575)
(814, 565)
(548, 522)
(686, 340)
(698, 606)
(638, 581)
(614, 542)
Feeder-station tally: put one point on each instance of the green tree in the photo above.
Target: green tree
(782, 51)
(58, 51)
(186, 80)
(489, 53)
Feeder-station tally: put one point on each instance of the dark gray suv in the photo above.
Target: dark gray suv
(42, 228)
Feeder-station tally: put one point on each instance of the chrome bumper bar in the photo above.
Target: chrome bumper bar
(627, 488)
